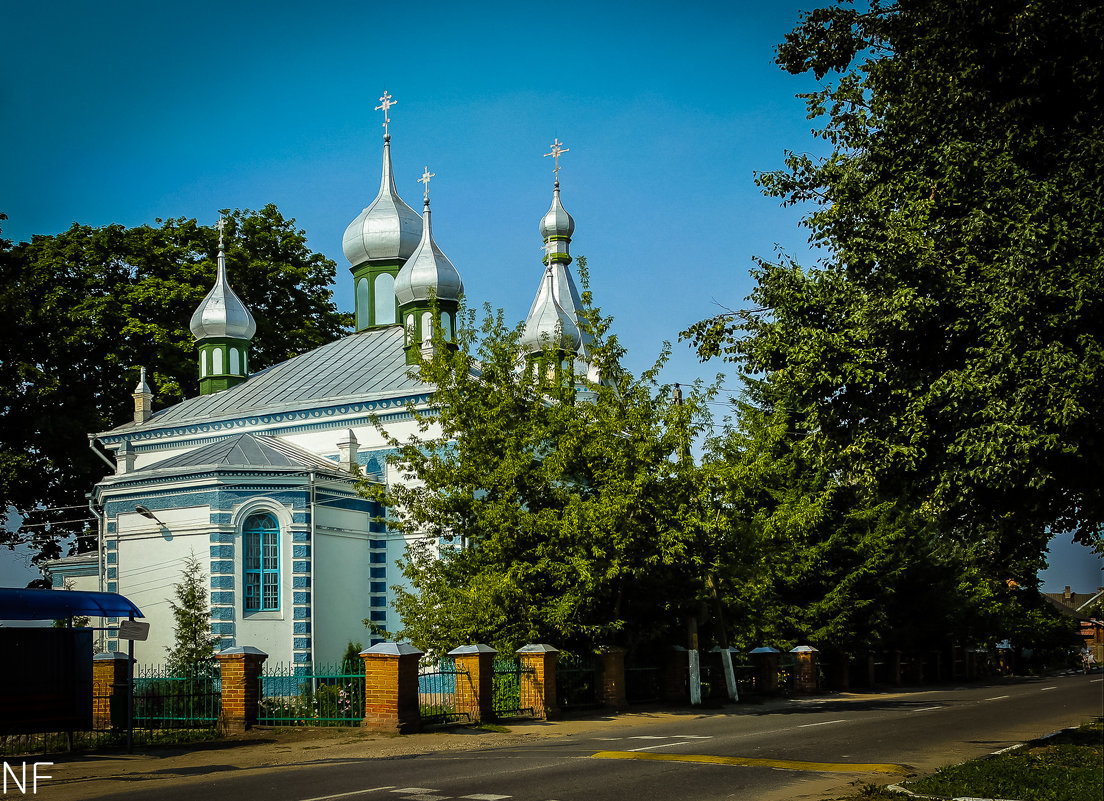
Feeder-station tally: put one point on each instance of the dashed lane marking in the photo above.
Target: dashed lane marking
(649, 737)
(822, 723)
(346, 795)
(782, 764)
(1044, 689)
(485, 797)
(661, 745)
(926, 709)
(997, 698)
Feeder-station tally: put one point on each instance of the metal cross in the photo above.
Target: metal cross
(557, 149)
(425, 180)
(220, 226)
(548, 247)
(386, 103)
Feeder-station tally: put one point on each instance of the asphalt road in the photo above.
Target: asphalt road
(801, 750)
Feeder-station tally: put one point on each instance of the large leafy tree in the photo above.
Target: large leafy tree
(82, 310)
(946, 350)
(545, 516)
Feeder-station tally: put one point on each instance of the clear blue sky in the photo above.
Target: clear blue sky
(123, 112)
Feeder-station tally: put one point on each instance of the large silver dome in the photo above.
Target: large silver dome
(221, 313)
(428, 271)
(557, 222)
(388, 228)
(548, 324)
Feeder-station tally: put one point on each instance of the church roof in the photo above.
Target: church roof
(246, 450)
(363, 366)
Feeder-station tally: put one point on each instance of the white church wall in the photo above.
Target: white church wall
(341, 597)
(150, 562)
(269, 630)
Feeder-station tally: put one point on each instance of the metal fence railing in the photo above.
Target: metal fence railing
(643, 684)
(577, 682)
(437, 692)
(506, 688)
(165, 699)
(311, 695)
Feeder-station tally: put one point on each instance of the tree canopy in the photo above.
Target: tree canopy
(545, 517)
(945, 352)
(81, 311)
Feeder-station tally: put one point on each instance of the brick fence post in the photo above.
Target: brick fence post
(109, 690)
(240, 669)
(676, 688)
(765, 660)
(538, 680)
(475, 692)
(612, 688)
(391, 687)
(806, 676)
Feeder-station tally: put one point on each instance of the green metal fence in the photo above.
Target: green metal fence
(311, 695)
(577, 682)
(164, 699)
(506, 688)
(437, 692)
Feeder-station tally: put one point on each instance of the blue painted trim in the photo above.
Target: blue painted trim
(300, 597)
(302, 613)
(301, 643)
(301, 627)
(222, 567)
(222, 552)
(300, 582)
(222, 582)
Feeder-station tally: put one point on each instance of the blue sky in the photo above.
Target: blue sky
(123, 112)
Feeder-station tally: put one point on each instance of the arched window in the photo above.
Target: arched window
(409, 329)
(446, 327)
(203, 364)
(235, 367)
(362, 304)
(261, 538)
(427, 327)
(216, 369)
(385, 299)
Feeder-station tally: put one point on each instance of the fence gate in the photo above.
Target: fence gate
(437, 692)
(506, 688)
(577, 682)
(163, 700)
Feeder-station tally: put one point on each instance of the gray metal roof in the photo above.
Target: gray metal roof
(245, 450)
(363, 366)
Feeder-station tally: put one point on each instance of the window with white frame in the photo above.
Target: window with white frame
(261, 537)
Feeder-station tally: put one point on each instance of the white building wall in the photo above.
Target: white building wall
(341, 598)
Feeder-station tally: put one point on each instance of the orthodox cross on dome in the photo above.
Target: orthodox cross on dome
(425, 180)
(548, 247)
(386, 102)
(221, 225)
(557, 149)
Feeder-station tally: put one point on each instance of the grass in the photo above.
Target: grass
(1067, 767)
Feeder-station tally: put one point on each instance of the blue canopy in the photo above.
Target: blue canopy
(25, 604)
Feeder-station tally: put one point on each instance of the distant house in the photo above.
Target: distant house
(1076, 606)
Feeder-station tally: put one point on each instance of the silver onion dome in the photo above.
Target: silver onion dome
(221, 313)
(548, 324)
(557, 222)
(428, 271)
(388, 228)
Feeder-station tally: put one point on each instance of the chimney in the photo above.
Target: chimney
(143, 400)
(347, 448)
(1066, 595)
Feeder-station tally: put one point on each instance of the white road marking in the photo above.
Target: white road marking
(413, 790)
(926, 709)
(661, 745)
(649, 737)
(693, 736)
(822, 723)
(1044, 689)
(1094, 681)
(345, 795)
(486, 797)
(996, 698)
(1006, 750)
(607, 739)
(424, 797)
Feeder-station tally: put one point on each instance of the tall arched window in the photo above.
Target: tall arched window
(427, 327)
(385, 299)
(216, 368)
(203, 364)
(235, 368)
(362, 301)
(446, 327)
(261, 538)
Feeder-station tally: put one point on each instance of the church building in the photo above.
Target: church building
(256, 475)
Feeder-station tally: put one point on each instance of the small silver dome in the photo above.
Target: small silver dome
(388, 228)
(427, 271)
(548, 325)
(557, 222)
(221, 313)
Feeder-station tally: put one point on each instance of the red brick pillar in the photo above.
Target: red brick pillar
(241, 686)
(612, 688)
(765, 660)
(391, 687)
(806, 676)
(109, 690)
(676, 689)
(475, 691)
(538, 680)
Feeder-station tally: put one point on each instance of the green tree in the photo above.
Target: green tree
(194, 644)
(82, 310)
(946, 351)
(542, 519)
